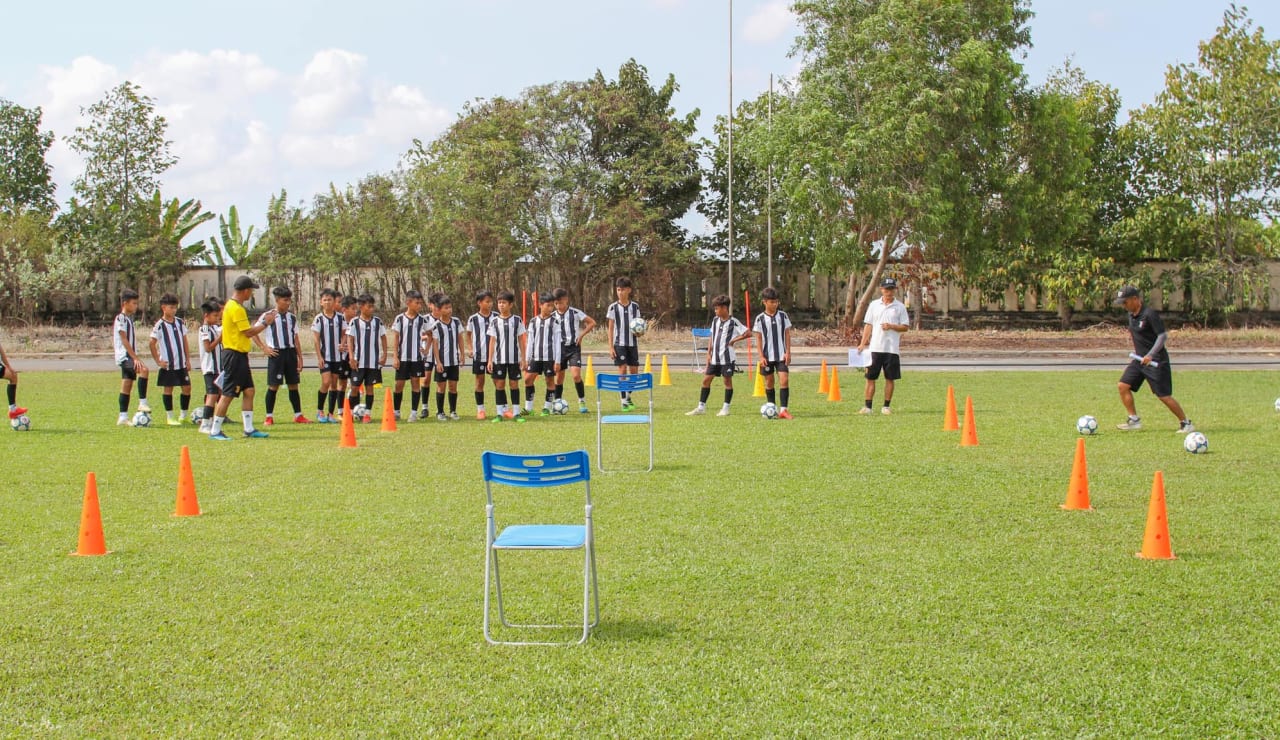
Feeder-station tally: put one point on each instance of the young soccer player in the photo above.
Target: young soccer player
(623, 348)
(428, 346)
(446, 343)
(477, 341)
(409, 361)
(726, 331)
(8, 373)
(543, 342)
(131, 368)
(350, 310)
(236, 378)
(575, 324)
(506, 356)
(210, 358)
(367, 345)
(328, 328)
(172, 355)
(281, 345)
(773, 328)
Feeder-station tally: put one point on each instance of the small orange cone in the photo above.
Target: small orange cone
(969, 435)
(589, 377)
(665, 377)
(187, 504)
(1078, 489)
(388, 413)
(348, 438)
(91, 541)
(950, 423)
(823, 387)
(1155, 543)
(833, 390)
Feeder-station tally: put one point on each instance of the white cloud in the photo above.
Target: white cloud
(770, 22)
(332, 86)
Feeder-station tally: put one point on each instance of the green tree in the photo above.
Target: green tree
(26, 181)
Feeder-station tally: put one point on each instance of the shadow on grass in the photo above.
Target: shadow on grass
(631, 631)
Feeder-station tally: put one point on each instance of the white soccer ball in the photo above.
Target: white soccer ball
(142, 419)
(1278, 405)
(638, 326)
(1087, 425)
(359, 412)
(1196, 443)
(21, 423)
(197, 416)
(560, 406)
(769, 411)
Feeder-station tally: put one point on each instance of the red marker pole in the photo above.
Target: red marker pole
(524, 306)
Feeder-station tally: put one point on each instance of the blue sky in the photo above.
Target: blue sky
(264, 95)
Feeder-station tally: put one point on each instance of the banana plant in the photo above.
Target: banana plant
(177, 221)
(235, 245)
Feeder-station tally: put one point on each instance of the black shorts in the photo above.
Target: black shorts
(570, 356)
(545, 368)
(629, 356)
(479, 367)
(721, 371)
(769, 368)
(1159, 378)
(341, 368)
(173, 378)
(127, 369)
(446, 373)
(211, 385)
(503, 371)
(283, 368)
(236, 377)
(367, 377)
(887, 361)
(411, 370)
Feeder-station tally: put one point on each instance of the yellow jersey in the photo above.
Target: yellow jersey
(235, 322)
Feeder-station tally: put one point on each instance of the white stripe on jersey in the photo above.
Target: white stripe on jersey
(365, 336)
(210, 360)
(622, 316)
(478, 329)
(409, 336)
(545, 339)
(331, 331)
(448, 338)
(123, 324)
(506, 351)
(171, 343)
(280, 333)
(722, 332)
(772, 331)
(571, 324)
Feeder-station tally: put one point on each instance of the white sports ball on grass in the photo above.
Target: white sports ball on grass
(1087, 425)
(638, 326)
(21, 423)
(560, 406)
(142, 419)
(769, 411)
(359, 412)
(1278, 405)
(1196, 443)
(197, 416)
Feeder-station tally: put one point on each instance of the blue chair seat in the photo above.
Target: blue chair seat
(625, 419)
(542, 536)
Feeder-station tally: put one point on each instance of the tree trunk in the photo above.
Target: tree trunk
(891, 242)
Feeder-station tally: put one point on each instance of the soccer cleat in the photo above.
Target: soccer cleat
(520, 419)
(508, 414)
(367, 419)
(1186, 426)
(269, 422)
(864, 411)
(545, 412)
(697, 411)
(219, 437)
(144, 407)
(723, 412)
(784, 414)
(480, 415)
(441, 417)
(18, 411)
(300, 419)
(412, 417)
(124, 421)
(255, 434)
(496, 420)
(628, 406)
(453, 416)
(173, 422)
(582, 408)
(885, 411)
(1130, 425)
(205, 427)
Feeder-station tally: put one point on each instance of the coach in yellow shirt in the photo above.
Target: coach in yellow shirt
(236, 378)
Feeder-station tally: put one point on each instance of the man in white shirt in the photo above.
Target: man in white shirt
(885, 323)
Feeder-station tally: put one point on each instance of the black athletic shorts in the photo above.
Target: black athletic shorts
(211, 385)
(545, 368)
(367, 377)
(570, 356)
(479, 367)
(283, 368)
(173, 378)
(721, 371)
(341, 369)
(887, 361)
(1159, 378)
(445, 373)
(127, 369)
(236, 376)
(769, 368)
(502, 371)
(411, 370)
(629, 356)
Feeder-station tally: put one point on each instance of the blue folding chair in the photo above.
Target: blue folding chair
(539, 471)
(610, 383)
(701, 338)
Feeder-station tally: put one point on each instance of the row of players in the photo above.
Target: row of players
(351, 345)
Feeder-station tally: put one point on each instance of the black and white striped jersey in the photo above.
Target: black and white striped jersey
(171, 343)
(408, 330)
(366, 341)
(545, 339)
(621, 316)
(571, 324)
(773, 334)
(723, 332)
(478, 331)
(448, 341)
(122, 324)
(210, 360)
(330, 330)
(280, 333)
(507, 332)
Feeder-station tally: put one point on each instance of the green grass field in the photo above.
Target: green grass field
(834, 575)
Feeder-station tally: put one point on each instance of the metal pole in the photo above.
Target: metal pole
(769, 196)
(730, 286)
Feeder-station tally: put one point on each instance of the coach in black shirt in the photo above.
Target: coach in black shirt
(1152, 363)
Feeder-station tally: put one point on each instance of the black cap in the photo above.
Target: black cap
(244, 282)
(1126, 292)
(889, 283)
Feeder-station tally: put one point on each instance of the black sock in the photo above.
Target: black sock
(142, 388)
(295, 400)
(480, 398)
(704, 394)
(785, 394)
(334, 397)
(320, 399)
(551, 395)
(439, 403)
(168, 402)
(453, 402)
(581, 388)
(886, 403)
(185, 401)
(13, 394)
(500, 396)
(355, 399)
(271, 401)
(426, 397)
(124, 403)
(208, 413)
(528, 393)
(559, 390)
(398, 398)
(869, 403)
(368, 401)
(728, 396)
(769, 395)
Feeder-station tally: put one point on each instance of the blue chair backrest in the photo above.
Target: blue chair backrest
(638, 382)
(701, 332)
(536, 471)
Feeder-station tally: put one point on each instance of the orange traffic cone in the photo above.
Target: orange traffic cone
(969, 435)
(1155, 543)
(833, 389)
(949, 421)
(665, 377)
(1078, 489)
(187, 505)
(91, 541)
(388, 413)
(348, 438)
(823, 386)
